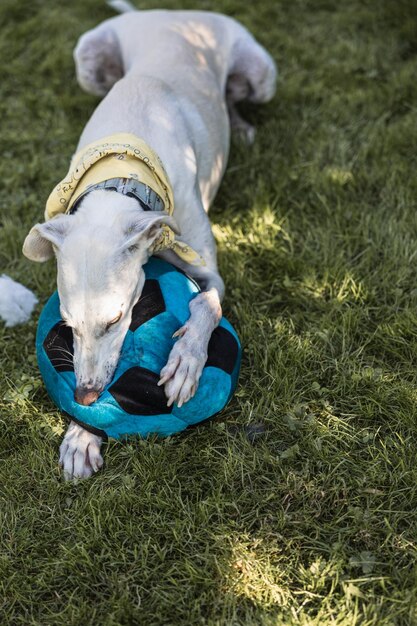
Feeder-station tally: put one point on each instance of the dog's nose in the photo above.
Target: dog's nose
(85, 395)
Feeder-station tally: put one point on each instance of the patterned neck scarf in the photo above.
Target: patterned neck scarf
(120, 156)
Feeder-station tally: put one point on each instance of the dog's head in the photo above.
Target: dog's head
(100, 251)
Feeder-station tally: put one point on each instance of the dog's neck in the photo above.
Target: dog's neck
(99, 208)
(146, 197)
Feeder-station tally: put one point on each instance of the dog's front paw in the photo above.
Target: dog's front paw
(183, 369)
(80, 453)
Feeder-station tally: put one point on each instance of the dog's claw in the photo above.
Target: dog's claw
(97, 463)
(180, 332)
(169, 370)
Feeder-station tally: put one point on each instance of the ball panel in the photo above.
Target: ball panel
(211, 397)
(60, 385)
(137, 393)
(150, 304)
(161, 425)
(59, 347)
(224, 323)
(178, 291)
(153, 342)
(156, 268)
(223, 350)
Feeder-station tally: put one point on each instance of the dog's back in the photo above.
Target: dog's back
(176, 77)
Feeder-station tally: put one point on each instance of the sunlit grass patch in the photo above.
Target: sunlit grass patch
(254, 577)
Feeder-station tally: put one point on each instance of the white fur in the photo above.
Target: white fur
(171, 78)
(80, 453)
(16, 301)
(121, 6)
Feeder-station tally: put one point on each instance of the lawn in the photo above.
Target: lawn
(298, 504)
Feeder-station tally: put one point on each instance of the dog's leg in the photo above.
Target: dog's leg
(80, 453)
(252, 77)
(186, 361)
(237, 89)
(98, 60)
(189, 354)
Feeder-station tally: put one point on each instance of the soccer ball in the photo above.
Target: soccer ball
(132, 403)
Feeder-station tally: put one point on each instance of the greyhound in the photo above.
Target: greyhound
(172, 79)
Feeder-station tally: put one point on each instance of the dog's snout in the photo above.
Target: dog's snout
(86, 395)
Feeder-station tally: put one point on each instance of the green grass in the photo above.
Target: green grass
(313, 522)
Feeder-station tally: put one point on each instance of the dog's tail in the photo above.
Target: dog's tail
(121, 6)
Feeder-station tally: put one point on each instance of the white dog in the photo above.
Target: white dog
(171, 79)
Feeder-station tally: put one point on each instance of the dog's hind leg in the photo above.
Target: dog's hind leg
(98, 60)
(237, 89)
(252, 76)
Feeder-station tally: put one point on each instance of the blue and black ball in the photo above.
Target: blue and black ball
(133, 404)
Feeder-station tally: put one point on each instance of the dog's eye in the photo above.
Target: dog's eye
(114, 321)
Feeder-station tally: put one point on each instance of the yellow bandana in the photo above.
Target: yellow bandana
(120, 156)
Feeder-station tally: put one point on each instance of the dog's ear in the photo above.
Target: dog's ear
(146, 226)
(39, 244)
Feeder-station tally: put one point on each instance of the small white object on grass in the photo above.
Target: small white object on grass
(16, 301)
